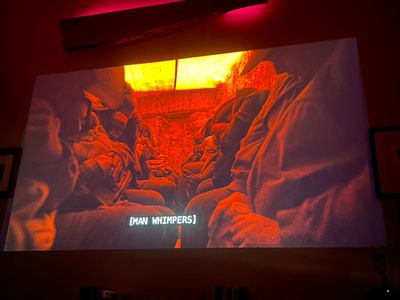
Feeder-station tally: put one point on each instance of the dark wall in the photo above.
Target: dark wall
(31, 45)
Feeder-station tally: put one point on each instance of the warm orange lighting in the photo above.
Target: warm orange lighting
(193, 73)
(205, 71)
(151, 76)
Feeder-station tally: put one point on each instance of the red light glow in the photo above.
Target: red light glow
(246, 15)
(107, 6)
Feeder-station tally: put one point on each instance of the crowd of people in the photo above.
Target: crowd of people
(286, 166)
(80, 176)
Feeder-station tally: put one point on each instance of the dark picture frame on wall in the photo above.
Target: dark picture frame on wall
(9, 164)
(385, 148)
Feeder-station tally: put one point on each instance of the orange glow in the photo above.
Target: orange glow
(205, 71)
(151, 76)
(193, 73)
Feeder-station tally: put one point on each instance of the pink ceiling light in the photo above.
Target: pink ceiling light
(140, 23)
(107, 6)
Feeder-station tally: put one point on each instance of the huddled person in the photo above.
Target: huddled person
(155, 172)
(209, 166)
(280, 166)
(301, 176)
(73, 180)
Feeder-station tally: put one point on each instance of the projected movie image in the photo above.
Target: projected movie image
(255, 148)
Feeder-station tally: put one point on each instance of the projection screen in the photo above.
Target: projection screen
(254, 148)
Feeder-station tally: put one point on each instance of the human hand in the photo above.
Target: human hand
(221, 219)
(229, 208)
(254, 230)
(42, 231)
(233, 224)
